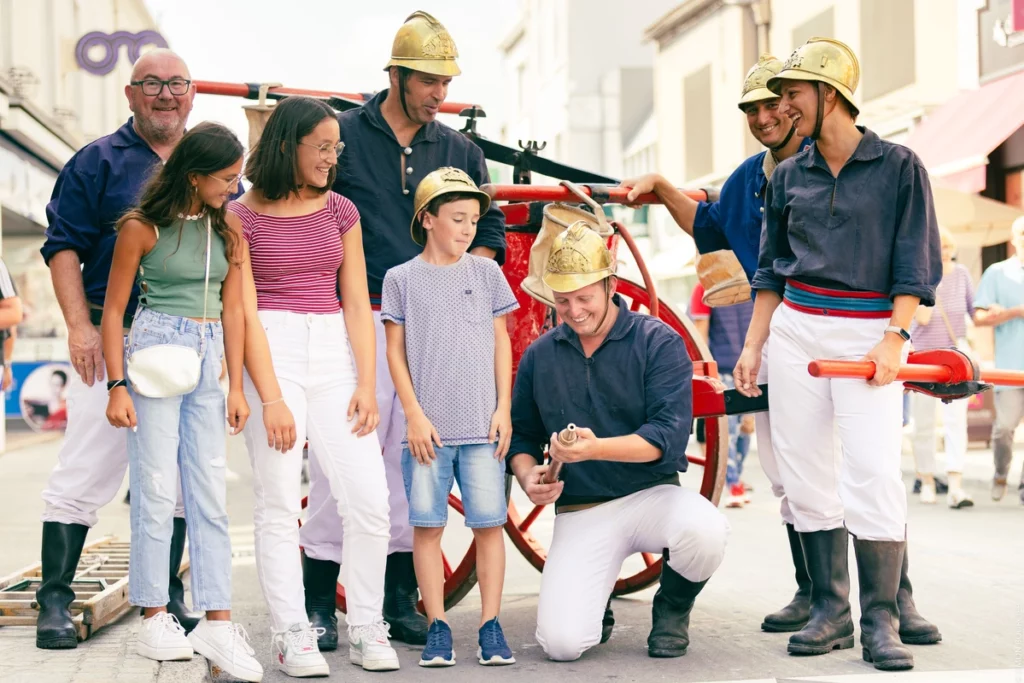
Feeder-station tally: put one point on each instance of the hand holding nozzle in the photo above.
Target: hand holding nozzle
(566, 437)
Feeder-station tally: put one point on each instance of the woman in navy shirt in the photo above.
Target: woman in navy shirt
(850, 245)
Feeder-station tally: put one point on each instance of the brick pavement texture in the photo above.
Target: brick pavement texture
(107, 657)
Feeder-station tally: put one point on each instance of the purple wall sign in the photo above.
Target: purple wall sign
(111, 44)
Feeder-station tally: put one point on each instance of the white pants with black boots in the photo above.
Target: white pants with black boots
(314, 365)
(589, 547)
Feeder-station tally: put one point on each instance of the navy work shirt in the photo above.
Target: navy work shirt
(637, 382)
(872, 228)
(94, 189)
(734, 221)
(370, 174)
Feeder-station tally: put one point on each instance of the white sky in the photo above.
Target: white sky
(327, 45)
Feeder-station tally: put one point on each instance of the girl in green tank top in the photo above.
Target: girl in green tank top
(192, 270)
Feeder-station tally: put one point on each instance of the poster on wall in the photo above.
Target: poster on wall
(39, 395)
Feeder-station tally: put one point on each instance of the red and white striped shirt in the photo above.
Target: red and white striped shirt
(295, 259)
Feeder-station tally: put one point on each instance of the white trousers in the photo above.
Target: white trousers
(863, 486)
(589, 547)
(321, 534)
(954, 419)
(92, 460)
(314, 365)
(765, 452)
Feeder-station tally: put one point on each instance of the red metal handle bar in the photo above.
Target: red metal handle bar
(602, 194)
(907, 373)
(251, 91)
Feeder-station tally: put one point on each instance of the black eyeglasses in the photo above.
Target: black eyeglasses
(153, 87)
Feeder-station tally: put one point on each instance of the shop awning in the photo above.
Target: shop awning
(976, 221)
(955, 140)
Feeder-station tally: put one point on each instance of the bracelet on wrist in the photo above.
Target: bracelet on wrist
(114, 383)
(270, 403)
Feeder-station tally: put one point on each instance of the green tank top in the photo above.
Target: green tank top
(172, 274)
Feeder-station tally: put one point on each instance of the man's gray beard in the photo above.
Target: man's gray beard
(158, 134)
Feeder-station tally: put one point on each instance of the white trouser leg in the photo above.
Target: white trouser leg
(954, 417)
(867, 491)
(802, 430)
(589, 547)
(765, 452)
(92, 460)
(923, 410)
(321, 534)
(277, 485)
(352, 465)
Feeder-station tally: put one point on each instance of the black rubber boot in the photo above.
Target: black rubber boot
(607, 623)
(320, 580)
(914, 629)
(793, 616)
(670, 632)
(400, 597)
(830, 626)
(175, 588)
(878, 566)
(62, 548)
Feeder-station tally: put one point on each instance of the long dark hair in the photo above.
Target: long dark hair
(273, 166)
(205, 149)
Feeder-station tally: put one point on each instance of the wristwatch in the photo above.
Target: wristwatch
(114, 383)
(900, 331)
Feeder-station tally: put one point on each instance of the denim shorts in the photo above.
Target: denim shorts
(481, 479)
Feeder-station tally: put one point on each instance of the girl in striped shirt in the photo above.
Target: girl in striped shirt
(305, 245)
(943, 326)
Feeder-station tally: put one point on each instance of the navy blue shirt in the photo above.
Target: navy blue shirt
(637, 382)
(94, 189)
(370, 173)
(872, 228)
(734, 221)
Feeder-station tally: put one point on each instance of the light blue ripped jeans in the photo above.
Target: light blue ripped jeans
(186, 432)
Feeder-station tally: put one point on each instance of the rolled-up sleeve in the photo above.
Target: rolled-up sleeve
(917, 254)
(72, 214)
(668, 396)
(528, 434)
(773, 241)
(490, 230)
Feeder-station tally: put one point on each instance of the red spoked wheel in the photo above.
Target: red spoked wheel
(458, 581)
(637, 575)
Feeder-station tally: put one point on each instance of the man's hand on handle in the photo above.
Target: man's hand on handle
(536, 490)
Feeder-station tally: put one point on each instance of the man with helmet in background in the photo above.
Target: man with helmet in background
(625, 380)
(391, 143)
(734, 223)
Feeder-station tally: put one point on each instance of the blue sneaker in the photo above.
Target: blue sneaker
(494, 650)
(438, 651)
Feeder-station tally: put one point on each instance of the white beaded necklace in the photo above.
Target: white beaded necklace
(193, 218)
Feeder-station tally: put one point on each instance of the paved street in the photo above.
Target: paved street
(966, 567)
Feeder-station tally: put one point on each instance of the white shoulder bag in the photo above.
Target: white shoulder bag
(166, 370)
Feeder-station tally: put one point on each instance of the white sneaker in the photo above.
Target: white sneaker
(368, 647)
(162, 639)
(927, 493)
(296, 651)
(226, 645)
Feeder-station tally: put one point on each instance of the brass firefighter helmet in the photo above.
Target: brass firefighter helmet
(579, 257)
(754, 88)
(821, 59)
(444, 180)
(424, 44)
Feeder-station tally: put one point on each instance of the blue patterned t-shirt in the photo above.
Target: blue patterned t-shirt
(448, 314)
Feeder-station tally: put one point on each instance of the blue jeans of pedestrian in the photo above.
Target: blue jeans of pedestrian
(186, 433)
(739, 443)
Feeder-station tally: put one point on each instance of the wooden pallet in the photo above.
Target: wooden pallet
(100, 586)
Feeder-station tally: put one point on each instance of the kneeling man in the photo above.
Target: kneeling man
(625, 380)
